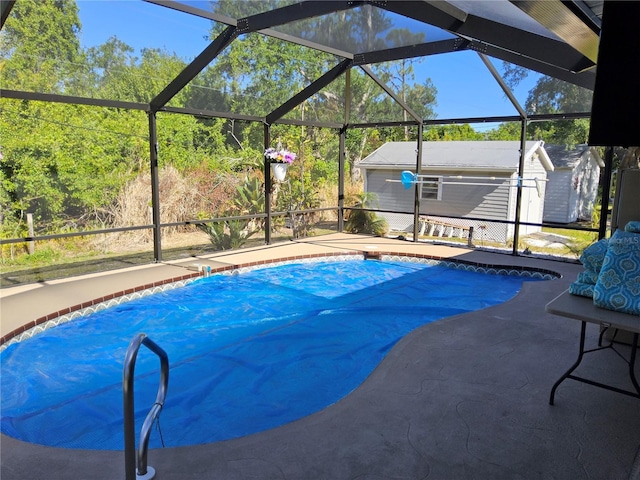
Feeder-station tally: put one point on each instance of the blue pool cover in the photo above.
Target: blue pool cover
(247, 352)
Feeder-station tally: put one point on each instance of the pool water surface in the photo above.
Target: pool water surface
(247, 352)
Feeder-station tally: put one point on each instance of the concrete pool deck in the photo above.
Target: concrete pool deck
(461, 398)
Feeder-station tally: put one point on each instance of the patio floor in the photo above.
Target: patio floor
(460, 398)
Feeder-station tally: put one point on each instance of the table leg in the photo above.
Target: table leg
(632, 362)
(574, 366)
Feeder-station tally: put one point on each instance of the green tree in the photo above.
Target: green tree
(505, 131)
(39, 46)
(551, 95)
(262, 73)
(401, 76)
(117, 74)
(40, 51)
(452, 132)
(67, 164)
(62, 161)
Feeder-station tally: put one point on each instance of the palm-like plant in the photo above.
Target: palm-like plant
(227, 234)
(363, 221)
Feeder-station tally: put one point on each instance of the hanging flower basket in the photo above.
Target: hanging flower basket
(280, 161)
(279, 170)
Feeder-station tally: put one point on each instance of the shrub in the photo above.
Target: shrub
(362, 221)
(227, 234)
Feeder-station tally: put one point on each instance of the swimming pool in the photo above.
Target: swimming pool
(248, 352)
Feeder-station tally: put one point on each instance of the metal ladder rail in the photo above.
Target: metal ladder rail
(143, 471)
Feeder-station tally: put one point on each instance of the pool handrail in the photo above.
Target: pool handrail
(143, 471)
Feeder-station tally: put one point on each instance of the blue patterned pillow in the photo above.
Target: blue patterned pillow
(633, 226)
(593, 256)
(587, 277)
(581, 289)
(618, 285)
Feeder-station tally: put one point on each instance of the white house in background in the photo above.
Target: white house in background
(475, 180)
(572, 188)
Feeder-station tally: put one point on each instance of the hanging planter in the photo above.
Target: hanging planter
(280, 161)
(279, 171)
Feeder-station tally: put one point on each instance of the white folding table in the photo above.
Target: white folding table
(583, 309)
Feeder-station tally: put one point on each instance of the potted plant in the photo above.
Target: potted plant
(280, 159)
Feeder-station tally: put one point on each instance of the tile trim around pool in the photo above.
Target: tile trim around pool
(56, 318)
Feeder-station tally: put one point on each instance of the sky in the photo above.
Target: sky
(464, 85)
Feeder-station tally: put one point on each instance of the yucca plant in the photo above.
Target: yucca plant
(227, 234)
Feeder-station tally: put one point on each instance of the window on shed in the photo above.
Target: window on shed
(431, 188)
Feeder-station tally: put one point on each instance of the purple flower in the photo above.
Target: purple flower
(289, 157)
(280, 156)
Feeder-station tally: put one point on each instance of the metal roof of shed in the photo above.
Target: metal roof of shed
(456, 155)
(564, 158)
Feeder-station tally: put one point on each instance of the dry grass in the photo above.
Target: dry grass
(183, 198)
(198, 194)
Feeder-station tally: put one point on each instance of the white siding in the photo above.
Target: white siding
(588, 189)
(533, 168)
(571, 194)
(574, 195)
(490, 202)
(391, 195)
(464, 197)
(557, 197)
(532, 203)
(479, 201)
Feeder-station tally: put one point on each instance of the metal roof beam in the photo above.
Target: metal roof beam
(233, 22)
(309, 123)
(305, 43)
(71, 100)
(450, 9)
(198, 12)
(410, 51)
(194, 68)
(310, 90)
(506, 118)
(585, 79)
(391, 93)
(540, 48)
(505, 88)
(383, 124)
(5, 10)
(203, 113)
(293, 13)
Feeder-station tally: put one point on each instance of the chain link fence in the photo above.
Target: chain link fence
(479, 233)
(437, 227)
